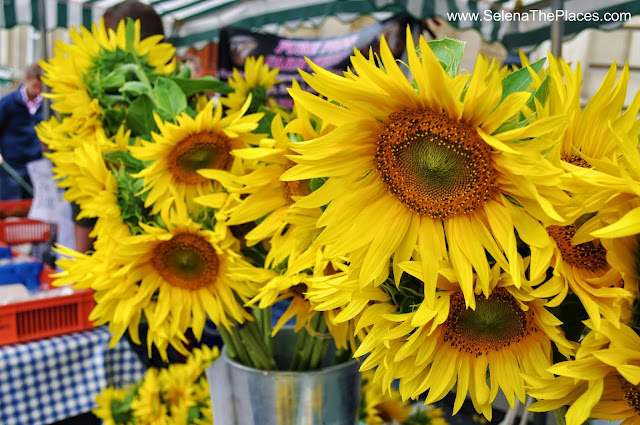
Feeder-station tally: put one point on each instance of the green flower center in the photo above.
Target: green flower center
(436, 166)
(196, 152)
(496, 323)
(187, 260)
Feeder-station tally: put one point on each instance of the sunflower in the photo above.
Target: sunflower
(72, 131)
(105, 401)
(148, 407)
(84, 173)
(257, 81)
(426, 166)
(616, 222)
(380, 408)
(587, 148)
(71, 72)
(64, 137)
(339, 296)
(176, 277)
(179, 150)
(180, 391)
(434, 349)
(266, 202)
(285, 287)
(603, 381)
(293, 286)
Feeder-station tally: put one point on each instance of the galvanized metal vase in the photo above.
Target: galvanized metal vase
(241, 395)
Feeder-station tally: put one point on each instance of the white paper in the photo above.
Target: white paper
(48, 204)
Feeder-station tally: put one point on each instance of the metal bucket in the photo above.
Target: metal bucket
(241, 395)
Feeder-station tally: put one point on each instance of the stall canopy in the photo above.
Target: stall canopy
(189, 22)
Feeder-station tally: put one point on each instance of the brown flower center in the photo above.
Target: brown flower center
(436, 166)
(199, 151)
(298, 188)
(299, 290)
(187, 260)
(589, 255)
(496, 323)
(576, 160)
(631, 393)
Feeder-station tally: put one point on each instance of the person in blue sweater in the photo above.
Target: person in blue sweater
(20, 112)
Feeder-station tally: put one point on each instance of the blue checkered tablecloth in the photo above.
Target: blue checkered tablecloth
(56, 378)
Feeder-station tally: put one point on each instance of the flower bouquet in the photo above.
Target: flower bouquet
(474, 232)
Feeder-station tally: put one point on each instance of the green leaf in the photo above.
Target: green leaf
(519, 120)
(169, 97)
(124, 159)
(194, 413)
(130, 200)
(113, 80)
(449, 52)
(519, 80)
(135, 88)
(112, 119)
(255, 255)
(317, 182)
(185, 72)
(140, 116)
(540, 94)
(204, 84)
(259, 99)
(113, 99)
(264, 126)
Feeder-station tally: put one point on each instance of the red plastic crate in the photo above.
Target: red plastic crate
(24, 230)
(15, 208)
(43, 318)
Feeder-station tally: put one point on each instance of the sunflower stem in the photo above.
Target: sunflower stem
(560, 413)
(234, 346)
(321, 343)
(308, 345)
(263, 318)
(341, 355)
(140, 70)
(256, 346)
(297, 355)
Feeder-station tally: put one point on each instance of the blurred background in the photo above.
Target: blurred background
(497, 28)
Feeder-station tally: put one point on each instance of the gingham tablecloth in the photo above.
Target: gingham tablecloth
(56, 378)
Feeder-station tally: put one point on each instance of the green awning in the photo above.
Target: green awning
(516, 24)
(6, 76)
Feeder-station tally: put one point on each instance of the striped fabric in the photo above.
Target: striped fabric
(189, 22)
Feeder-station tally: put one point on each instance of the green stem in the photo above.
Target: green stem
(310, 344)
(263, 318)
(235, 348)
(560, 413)
(301, 340)
(252, 337)
(342, 355)
(321, 343)
(268, 328)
